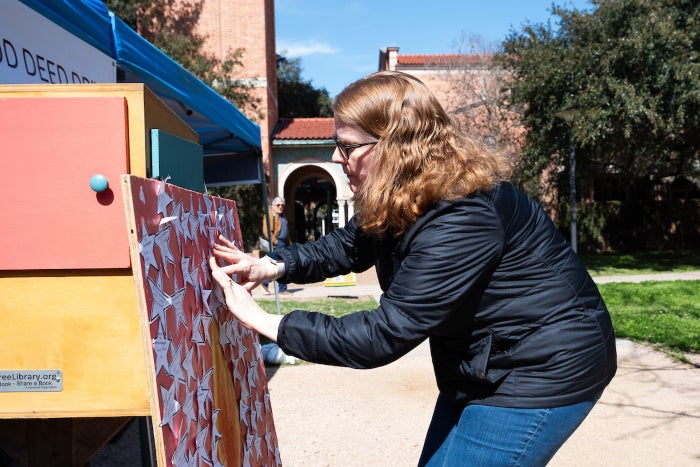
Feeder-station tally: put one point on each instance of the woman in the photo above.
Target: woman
(521, 341)
(280, 233)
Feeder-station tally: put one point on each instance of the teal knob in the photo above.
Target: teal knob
(99, 183)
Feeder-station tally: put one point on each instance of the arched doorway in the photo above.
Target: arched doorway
(313, 196)
(311, 191)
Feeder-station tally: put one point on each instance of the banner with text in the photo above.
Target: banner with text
(34, 50)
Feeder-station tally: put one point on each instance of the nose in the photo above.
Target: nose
(337, 157)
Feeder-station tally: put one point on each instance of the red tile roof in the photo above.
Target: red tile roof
(303, 128)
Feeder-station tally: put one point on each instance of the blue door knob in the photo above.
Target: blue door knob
(99, 183)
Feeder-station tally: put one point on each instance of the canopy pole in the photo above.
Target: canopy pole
(263, 184)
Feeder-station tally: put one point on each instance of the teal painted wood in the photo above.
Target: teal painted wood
(177, 158)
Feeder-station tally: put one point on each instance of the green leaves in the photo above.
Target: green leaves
(298, 97)
(629, 72)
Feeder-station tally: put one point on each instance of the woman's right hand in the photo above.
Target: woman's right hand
(241, 303)
(251, 272)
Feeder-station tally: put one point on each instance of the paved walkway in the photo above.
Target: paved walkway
(667, 276)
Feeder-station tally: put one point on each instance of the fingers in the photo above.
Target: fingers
(224, 248)
(213, 265)
(217, 273)
(249, 286)
(230, 269)
(227, 254)
(227, 242)
(221, 275)
(232, 252)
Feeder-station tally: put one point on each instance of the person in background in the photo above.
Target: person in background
(521, 341)
(280, 236)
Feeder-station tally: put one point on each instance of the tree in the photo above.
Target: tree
(621, 82)
(476, 93)
(170, 25)
(297, 97)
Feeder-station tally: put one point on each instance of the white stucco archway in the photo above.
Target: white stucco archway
(343, 194)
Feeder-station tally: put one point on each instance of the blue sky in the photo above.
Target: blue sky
(338, 41)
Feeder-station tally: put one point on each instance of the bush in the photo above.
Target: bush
(634, 226)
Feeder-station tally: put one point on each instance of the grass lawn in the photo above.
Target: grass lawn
(665, 314)
(642, 263)
(329, 306)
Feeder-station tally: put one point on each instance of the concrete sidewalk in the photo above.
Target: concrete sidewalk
(665, 276)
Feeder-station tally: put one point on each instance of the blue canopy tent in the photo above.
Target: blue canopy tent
(231, 142)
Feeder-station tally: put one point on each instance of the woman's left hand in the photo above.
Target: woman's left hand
(250, 271)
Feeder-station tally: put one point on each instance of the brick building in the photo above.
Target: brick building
(249, 25)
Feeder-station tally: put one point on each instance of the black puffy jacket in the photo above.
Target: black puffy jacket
(512, 315)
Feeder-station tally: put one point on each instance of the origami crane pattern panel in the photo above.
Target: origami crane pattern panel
(210, 375)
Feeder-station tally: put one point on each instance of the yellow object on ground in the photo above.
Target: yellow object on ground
(338, 281)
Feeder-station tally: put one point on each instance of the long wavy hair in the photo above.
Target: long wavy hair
(422, 155)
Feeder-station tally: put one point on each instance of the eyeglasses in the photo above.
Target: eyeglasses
(279, 205)
(346, 148)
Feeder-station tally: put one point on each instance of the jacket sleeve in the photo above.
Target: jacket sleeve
(447, 258)
(340, 252)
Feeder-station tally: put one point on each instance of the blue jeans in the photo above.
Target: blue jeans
(282, 287)
(481, 435)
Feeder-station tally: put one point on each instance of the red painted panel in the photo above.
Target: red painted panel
(49, 149)
(210, 377)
